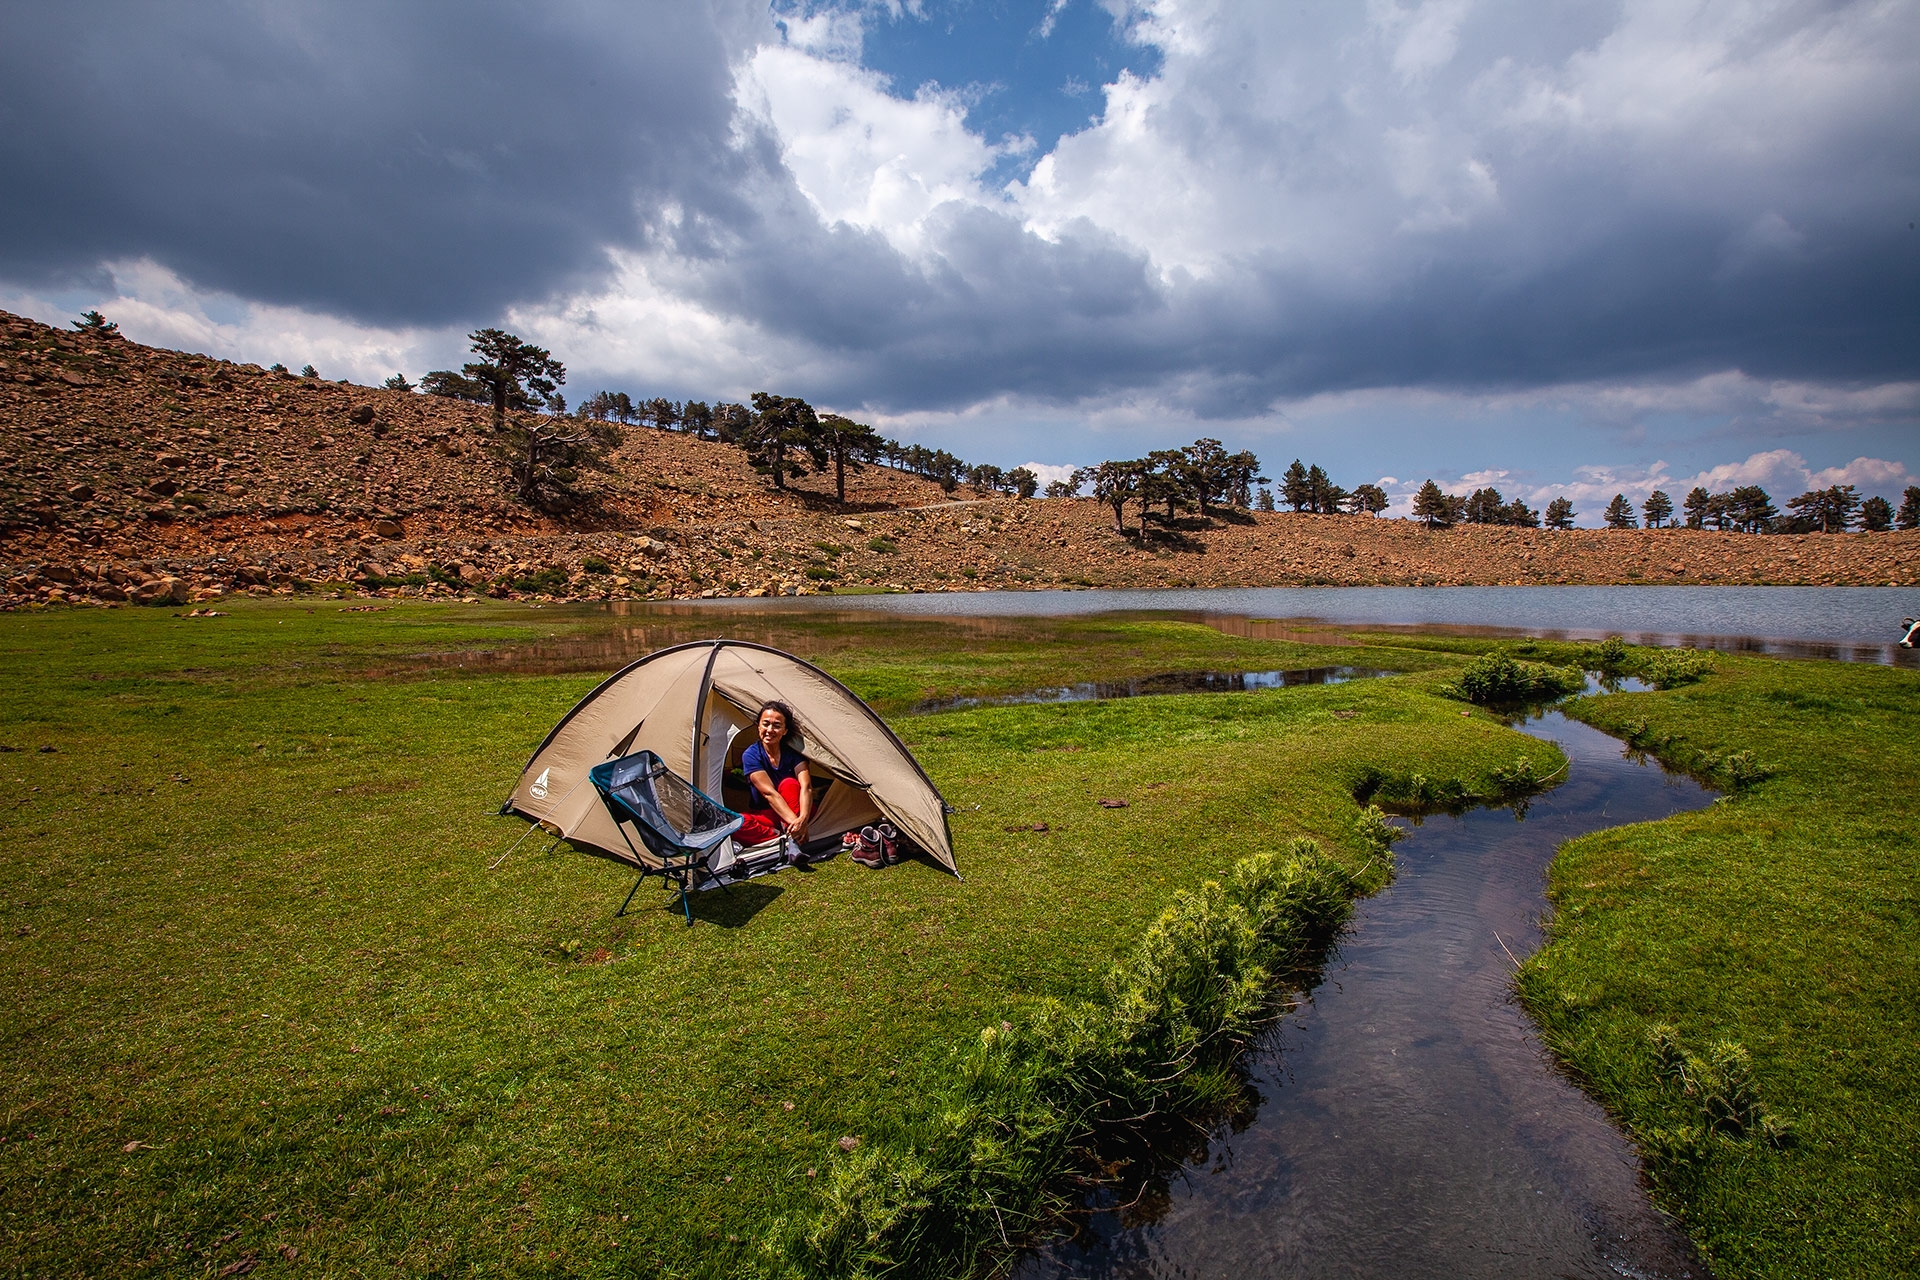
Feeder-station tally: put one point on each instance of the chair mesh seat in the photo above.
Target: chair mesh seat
(674, 818)
(686, 830)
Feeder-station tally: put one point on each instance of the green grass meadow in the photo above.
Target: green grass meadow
(267, 1001)
(1786, 918)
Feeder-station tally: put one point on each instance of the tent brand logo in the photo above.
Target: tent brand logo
(539, 788)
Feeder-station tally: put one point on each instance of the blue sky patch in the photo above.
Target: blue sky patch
(1025, 66)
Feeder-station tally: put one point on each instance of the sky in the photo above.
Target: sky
(1564, 249)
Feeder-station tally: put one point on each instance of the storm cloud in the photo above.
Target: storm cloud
(1622, 204)
(397, 164)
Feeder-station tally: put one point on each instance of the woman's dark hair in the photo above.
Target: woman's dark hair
(786, 713)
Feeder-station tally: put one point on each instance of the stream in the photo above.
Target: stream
(1409, 1123)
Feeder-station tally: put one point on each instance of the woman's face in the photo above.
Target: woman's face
(773, 727)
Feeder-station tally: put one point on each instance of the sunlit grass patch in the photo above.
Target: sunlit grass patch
(266, 996)
(1769, 940)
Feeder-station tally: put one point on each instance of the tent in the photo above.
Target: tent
(693, 706)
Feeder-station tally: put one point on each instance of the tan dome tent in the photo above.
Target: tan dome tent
(693, 706)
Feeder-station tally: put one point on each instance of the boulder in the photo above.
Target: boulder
(59, 573)
(388, 528)
(164, 488)
(362, 414)
(80, 492)
(471, 574)
(159, 591)
(372, 569)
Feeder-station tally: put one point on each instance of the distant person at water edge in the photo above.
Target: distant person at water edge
(782, 799)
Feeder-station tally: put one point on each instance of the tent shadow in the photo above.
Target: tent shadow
(731, 907)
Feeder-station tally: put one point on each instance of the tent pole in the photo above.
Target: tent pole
(636, 888)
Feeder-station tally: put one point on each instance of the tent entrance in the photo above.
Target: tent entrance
(839, 806)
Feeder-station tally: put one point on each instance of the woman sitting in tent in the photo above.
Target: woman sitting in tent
(781, 790)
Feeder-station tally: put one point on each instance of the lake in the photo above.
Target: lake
(1856, 624)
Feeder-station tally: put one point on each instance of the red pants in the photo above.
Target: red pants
(764, 824)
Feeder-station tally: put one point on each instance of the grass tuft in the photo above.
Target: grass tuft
(1033, 1094)
(1500, 679)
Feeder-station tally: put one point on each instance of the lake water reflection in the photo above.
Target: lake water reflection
(1852, 624)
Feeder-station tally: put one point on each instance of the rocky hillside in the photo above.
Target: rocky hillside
(162, 477)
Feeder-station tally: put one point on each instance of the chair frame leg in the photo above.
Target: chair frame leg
(629, 902)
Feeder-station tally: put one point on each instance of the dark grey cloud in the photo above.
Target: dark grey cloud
(392, 163)
(1665, 195)
(405, 164)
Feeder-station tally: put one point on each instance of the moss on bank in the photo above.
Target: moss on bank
(1738, 984)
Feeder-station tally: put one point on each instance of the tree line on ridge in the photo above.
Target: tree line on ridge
(785, 437)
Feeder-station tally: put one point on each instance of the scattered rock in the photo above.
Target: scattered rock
(1113, 804)
(164, 487)
(389, 528)
(160, 591)
(362, 414)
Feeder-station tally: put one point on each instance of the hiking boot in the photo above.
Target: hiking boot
(868, 851)
(889, 842)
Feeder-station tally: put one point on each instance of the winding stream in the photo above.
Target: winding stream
(1409, 1123)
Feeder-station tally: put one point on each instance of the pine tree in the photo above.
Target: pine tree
(1909, 516)
(845, 441)
(1484, 506)
(1431, 505)
(783, 427)
(697, 419)
(398, 382)
(1749, 508)
(1263, 501)
(1165, 479)
(1319, 489)
(1367, 499)
(1243, 472)
(1619, 513)
(1696, 505)
(1829, 510)
(92, 322)
(510, 373)
(1560, 514)
(1658, 508)
(1022, 482)
(1518, 513)
(1295, 491)
(1116, 484)
(1876, 514)
(545, 458)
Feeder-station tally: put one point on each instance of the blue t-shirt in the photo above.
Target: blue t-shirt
(754, 760)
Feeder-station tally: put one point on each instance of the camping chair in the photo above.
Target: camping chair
(685, 830)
